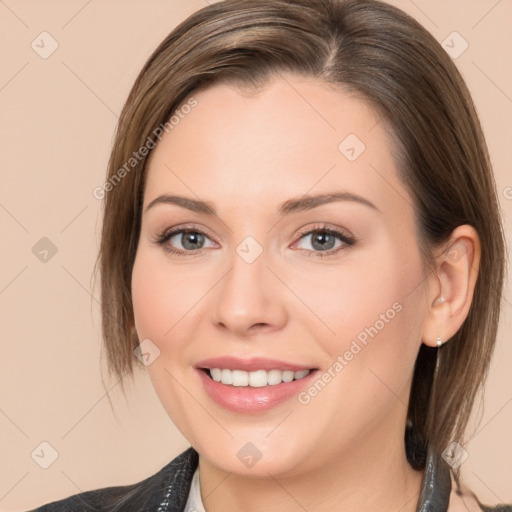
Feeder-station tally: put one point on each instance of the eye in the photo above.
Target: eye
(183, 241)
(325, 241)
(188, 241)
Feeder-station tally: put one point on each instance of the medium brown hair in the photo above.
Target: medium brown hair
(380, 53)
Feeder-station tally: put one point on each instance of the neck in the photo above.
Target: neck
(373, 476)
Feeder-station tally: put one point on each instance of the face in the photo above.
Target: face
(260, 272)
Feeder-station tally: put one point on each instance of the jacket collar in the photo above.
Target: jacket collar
(436, 486)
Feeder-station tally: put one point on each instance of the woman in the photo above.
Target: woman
(302, 244)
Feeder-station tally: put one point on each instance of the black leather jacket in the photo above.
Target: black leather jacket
(167, 491)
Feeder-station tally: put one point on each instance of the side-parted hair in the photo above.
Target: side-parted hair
(378, 52)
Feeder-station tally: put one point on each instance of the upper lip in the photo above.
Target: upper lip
(251, 364)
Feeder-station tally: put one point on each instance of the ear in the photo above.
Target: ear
(451, 285)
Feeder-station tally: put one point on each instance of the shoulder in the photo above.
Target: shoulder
(171, 484)
(470, 504)
(496, 508)
(466, 501)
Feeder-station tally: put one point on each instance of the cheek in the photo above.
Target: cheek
(151, 301)
(370, 309)
(162, 295)
(363, 290)
(161, 300)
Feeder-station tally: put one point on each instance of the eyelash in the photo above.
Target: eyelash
(348, 241)
(323, 228)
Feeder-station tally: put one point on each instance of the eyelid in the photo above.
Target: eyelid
(162, 237)
(322, 226)
(185, 227)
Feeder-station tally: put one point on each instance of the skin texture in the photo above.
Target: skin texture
(247, 154)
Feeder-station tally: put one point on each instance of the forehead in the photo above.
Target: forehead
(292, 136)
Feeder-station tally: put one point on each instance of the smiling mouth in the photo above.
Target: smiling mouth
(254, 379)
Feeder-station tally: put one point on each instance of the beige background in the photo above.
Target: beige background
(58, 117)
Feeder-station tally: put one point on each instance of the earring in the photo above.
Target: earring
(439, 343)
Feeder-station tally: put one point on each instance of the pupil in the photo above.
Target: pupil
(191, 239)
(325, 240)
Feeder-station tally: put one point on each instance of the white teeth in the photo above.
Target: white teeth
(256, 379)
(240, 378)
(226, 377)
(274, 377)
(288, 376)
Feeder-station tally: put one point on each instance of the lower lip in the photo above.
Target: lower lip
(247, 399)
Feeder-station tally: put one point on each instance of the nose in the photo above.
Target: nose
(249, 298)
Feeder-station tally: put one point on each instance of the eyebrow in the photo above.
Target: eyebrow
(305, 202)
